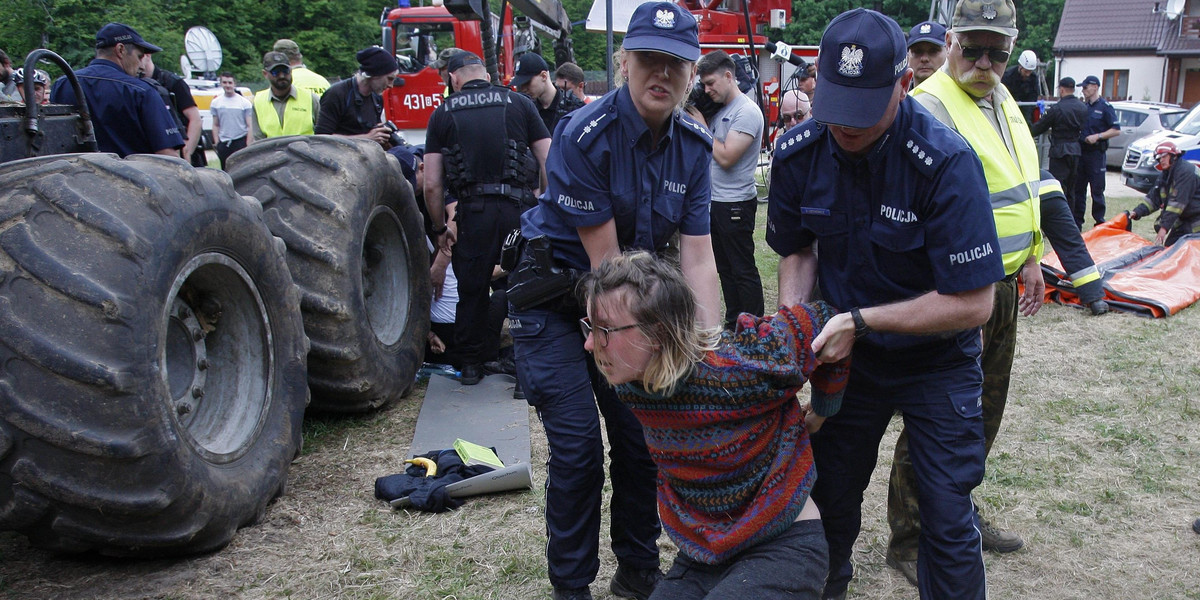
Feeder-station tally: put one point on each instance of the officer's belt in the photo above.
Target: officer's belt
(516, 193)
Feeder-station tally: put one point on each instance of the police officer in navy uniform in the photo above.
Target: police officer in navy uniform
(488, 145)
(1100, 126)
(899, 206)
(627, 171)
(128, 114)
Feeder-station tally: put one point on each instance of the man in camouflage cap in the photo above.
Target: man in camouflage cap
(966, 95)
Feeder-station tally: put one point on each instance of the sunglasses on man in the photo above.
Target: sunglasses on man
(996, 55)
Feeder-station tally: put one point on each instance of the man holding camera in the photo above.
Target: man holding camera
(487, 145)
(353, 107)
(737, 130)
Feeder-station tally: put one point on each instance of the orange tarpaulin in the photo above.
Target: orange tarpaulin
(1138, 276)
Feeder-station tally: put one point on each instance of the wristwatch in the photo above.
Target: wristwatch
(861, 328)
(442, 230)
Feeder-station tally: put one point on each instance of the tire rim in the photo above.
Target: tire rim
(385, 276)
(216, 359)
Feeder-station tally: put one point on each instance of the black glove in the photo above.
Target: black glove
(1133, 216)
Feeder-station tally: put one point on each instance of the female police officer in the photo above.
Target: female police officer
(625, 172)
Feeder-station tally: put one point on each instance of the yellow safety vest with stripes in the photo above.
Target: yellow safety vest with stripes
(297, 114)
(1013, 188)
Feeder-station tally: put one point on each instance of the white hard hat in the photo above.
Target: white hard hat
(1028, 60)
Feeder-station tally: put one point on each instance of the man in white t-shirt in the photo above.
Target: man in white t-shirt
(737, 130)
(232, 127)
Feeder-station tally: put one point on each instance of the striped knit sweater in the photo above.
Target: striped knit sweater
(734, 461)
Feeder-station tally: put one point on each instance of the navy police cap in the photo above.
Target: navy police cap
(862, 55)
(120, 33)
(663, 27)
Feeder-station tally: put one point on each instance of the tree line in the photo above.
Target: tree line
(329, 32)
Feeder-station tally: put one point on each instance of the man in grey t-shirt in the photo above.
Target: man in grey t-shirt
(737, 130)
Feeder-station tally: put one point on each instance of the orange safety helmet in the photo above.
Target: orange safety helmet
(1166, 147)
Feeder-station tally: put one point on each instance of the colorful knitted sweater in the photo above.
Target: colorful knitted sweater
(734, 462)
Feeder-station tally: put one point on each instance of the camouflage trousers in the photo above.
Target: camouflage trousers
(999, 347)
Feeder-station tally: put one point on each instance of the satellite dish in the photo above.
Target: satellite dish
(1174, 9)
(203, 50)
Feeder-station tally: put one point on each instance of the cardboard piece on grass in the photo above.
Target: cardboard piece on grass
(485, 413)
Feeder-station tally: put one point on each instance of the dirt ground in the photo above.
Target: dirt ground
(1096, 466)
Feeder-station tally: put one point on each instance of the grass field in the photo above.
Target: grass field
(1097, 466)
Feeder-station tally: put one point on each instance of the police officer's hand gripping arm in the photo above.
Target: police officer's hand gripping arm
(435, 202)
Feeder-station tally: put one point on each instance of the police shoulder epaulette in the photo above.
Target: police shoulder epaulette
(585, 124)
(925, 155)
(798, 137)
(687, 123)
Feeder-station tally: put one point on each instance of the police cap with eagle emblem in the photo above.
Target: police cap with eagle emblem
(999, 16)
(663, 27)
(928, 31)
(862, 55)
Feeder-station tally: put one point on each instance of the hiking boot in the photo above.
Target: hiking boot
(582, 593)
(1098, 307)
(503, 366)
(634, 583)
(908, 568)
(998, 540)
(470, 375)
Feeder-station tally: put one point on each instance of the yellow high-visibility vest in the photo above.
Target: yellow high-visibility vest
(1013, 187)
(297, 114)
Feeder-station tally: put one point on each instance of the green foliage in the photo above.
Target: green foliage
(329, 31)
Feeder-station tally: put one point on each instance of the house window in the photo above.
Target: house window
(1116, 85)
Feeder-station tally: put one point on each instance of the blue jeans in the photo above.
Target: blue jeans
(561, 381)
(943, 416)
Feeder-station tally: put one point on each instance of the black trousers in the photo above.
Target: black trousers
(733, 245)
(225, 148)
(1059, 226)
(483, 222)
(1090, 173)
(1066, 169)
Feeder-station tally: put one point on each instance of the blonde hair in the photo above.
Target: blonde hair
(660, 300)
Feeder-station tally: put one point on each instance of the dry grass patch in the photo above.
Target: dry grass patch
(1096, 466)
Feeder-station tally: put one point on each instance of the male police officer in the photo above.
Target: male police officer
(899, 206)
(1100, 126)
(966, 95)
(533, 80)
(354, 107)
(1065, 121)
(627, 171)
(128, 114)
(926, 50)
(282, 108)
(491, 145)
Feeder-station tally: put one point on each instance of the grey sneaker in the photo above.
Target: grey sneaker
(908, 568)
(628, 582)
(998, 540)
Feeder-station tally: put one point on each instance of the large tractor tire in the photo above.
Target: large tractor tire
(357, 249)
(151, 356)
